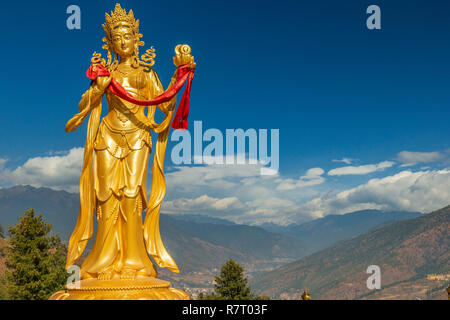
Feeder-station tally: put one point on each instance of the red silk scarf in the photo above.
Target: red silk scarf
(183, 73)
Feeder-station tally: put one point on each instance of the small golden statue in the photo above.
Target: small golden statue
(113, 183)
(305, 295)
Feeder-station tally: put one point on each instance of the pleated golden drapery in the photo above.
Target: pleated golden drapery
(91, 193)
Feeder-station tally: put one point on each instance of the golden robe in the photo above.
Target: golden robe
(122, 146)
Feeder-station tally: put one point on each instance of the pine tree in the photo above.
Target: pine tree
(35, 260)
(231, 283)
(2, 235)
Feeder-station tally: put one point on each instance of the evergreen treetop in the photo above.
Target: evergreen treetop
(35, 260)
(231, 283)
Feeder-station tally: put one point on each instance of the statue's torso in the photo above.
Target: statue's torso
(120, 112)
(121, 129)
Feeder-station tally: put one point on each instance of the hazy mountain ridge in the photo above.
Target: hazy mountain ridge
(248, 240)
(323, 232)
(200, 218)
(60, 208)
(406, 252)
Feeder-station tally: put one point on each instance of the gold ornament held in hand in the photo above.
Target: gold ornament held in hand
(183, 56)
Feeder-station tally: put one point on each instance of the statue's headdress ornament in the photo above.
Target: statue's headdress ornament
(120, 15)
(117, 17)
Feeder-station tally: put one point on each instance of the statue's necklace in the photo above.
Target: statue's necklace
(126, 71)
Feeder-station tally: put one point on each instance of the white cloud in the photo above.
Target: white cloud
(192, 179)
(345, 160)
(260, 198)
(358, 170)
(240, 193)
(202, 203)
(314, 172)
(269, 203)
(410, 158)
(57, 172)
(422, 191)
(312, 177)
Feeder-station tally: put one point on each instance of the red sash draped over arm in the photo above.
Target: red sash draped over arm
(183, 73)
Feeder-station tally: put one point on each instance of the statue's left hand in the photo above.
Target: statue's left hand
(183, 56)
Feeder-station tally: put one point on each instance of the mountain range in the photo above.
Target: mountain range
(201, 244)
(323, 232)
(406, 252)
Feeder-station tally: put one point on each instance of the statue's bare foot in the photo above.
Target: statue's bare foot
(128, 274)
(105, 275)
(146, 272)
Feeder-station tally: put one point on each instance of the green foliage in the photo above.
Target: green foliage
(2, 234)
(35, 260)
(231, 285)
(209, 296)
(3, 292)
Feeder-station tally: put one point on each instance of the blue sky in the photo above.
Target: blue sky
(309, 68)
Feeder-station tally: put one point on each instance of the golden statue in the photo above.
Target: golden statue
(306, 295)
(113, 182)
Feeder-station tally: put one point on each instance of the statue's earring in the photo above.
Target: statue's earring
(109, 59)
(136, 55)
(135, 62)
(115, 63)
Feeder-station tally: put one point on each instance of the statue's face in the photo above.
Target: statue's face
(123, 40)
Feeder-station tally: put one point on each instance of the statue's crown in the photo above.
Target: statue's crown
(120, 15)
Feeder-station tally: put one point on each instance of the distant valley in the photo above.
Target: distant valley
(406, 252)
